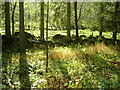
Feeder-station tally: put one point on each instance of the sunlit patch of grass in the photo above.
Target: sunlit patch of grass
(99, 48)
(65, 53)
(35, 55)
(61, 53)
(69, 53)
(31, 55)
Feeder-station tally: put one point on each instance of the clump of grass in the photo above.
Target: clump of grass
(99, 48)
(64, 53)
(61, 53)
(35, 55)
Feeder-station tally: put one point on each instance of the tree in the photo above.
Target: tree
(6, 57)
(13, 12)
(68, 20)
(76, 22)
(23, 74)
(80, 14)
(115, 24)
(42, 21)
(7, 19)
(47, 37)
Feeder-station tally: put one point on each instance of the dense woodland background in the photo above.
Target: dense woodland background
(60, 44)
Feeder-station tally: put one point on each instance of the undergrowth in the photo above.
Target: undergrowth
(77, 66)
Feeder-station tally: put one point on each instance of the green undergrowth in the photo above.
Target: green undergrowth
(88, 66)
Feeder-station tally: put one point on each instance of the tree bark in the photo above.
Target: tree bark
(76, 23)
(115, 17)
(80, 11)
(68, 20)
(7, 19)
(47, 37)
(42, 21)
(13, 12)
(23, 73)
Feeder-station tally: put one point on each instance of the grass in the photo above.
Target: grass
(72, 66)
(91, 63)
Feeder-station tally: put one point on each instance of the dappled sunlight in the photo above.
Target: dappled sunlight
(60, 45)
(66, 53)
(15, 57)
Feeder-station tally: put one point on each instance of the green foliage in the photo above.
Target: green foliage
(71, 66)
(88, 15)
(76, 67)
(11, 77)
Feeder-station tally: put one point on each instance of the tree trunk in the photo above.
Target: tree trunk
(47, 37)
(68, 20)
(7, 20)
(24, 74)
(13, 12)
(115, 17)
(101, 19)
(80, 12)
(76, 23)
(42, 21)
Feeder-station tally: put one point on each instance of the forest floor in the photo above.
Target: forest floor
(79, 64)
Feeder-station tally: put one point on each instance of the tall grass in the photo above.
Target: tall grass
(64, 53)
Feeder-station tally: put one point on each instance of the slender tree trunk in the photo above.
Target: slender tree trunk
(68, 20)
(101, 19)
(76, 23)
(13, 12)
(47, 37)
(80, 11)
(115, 17)
(7, 19)
(24, 74)
(42, 21)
